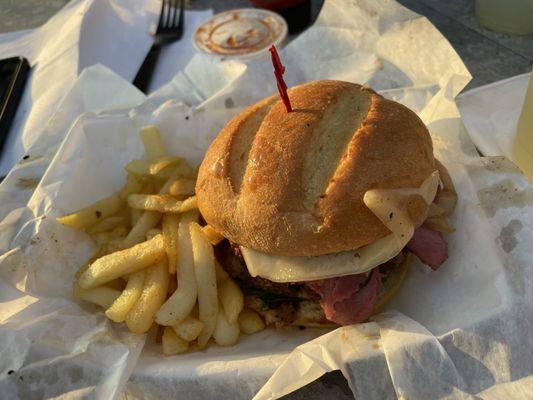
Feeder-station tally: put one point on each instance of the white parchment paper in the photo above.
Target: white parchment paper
(460, 332)
(491, 112)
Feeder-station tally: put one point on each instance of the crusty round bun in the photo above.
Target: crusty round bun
(311, 314)
(293, 183)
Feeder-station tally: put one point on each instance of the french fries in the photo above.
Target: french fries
(153, 143)
(161, 163)
(220, 273)
(103, 296)
(90, 215)
(122, 305)
(123, 262)
(141, 316)
(250, 322)
(134, 184)
(164, 203)
(225, 333)
(155, 263)
(172, 343)
(232, 299)
(138, 168)
(204, 268)
(189, 328)
(147, 221)
(182, 187)
(170, 234)
(182, 301)
(212, 235)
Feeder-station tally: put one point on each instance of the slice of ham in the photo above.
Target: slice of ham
(429, 246)
(348, 299)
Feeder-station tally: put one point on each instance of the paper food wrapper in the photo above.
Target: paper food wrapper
(81, 34)
(459, 332)
(491, 113)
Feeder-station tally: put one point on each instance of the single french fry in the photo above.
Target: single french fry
(164, 162)
(250, 322)
(103, 238)
(231, 298)
(154, 202)
(182, 187)
(141, 316)
(139, 168)
(189, 204)
(225, 333)
(212, 235)
(170, 227)
(204, 268)
(123, 262)
(90, 215)
(180, 171)
(172, 343)
(107, 224)
(220, 273)
(129, 296)
(189, 328)
(102, 295)
(134, 184)
(182, 301)
(153, 143)
(147, 221)
(164, 203)
(135, 215)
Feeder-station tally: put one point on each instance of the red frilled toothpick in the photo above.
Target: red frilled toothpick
(279, 70)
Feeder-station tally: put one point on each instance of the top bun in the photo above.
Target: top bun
(293, 183)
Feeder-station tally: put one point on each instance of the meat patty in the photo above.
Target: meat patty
(230, 257)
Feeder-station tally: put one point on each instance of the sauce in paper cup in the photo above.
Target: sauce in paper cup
(242, 33)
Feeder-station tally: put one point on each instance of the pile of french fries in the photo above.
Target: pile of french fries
(155, 265)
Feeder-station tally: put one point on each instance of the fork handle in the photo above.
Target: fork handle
(143, 77)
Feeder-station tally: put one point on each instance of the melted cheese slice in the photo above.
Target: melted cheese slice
(389, 205)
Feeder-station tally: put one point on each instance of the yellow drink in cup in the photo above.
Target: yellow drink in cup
(523, 144)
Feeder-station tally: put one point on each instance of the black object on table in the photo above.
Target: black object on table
(13, 75)
(169, 29)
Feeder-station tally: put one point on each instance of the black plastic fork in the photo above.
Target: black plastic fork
(169, 29)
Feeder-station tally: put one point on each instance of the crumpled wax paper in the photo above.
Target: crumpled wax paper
(454, 333)
(491, 112)
(115, 33)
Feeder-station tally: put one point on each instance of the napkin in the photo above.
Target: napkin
(115, 33)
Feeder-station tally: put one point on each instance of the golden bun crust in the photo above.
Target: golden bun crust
(293, 183)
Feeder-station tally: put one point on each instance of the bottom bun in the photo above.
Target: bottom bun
(309, 313)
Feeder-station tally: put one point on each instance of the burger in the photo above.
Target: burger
(321, 208)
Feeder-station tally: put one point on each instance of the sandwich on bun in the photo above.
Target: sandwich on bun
(322, 207)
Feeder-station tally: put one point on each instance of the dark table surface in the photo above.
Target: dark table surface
(489, 56)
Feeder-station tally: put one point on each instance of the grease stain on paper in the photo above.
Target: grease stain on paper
(27, 183)
(507, 237)
(504, 194)
(500, 164)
